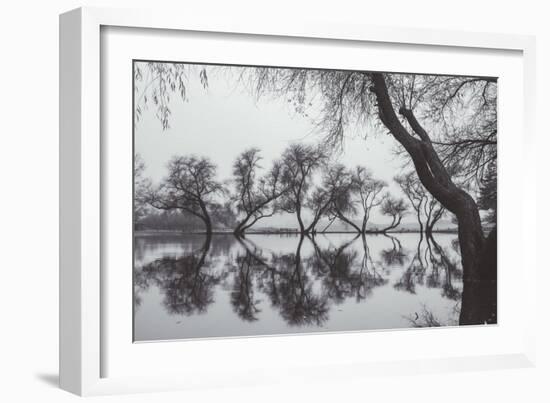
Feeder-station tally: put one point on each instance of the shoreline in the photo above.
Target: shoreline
(177, 232)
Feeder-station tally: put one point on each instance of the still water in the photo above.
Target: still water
(189, 286)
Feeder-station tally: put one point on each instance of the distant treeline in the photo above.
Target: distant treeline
(304, 182)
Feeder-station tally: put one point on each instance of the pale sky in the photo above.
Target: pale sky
(223, 120)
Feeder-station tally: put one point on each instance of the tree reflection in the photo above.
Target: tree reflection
(334, 267)
(479, 296)
(297, 302)
(431, 266)
(441, 263)
(342, 273)
(370, 275)
(266, 274)
(303, 284)
(242, 292)
(394, 255)
(186, 282)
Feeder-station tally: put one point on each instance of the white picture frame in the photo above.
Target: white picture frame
(82, 175)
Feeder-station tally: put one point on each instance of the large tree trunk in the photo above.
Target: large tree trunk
(240, 228)
(394, 224)
(435, 178)
(205, 248)
(479, 297)
(300, 222)
(346, 220)
(205, 218)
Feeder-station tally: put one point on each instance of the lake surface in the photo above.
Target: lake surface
(190, 286)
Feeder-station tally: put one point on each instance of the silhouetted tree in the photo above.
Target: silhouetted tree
(487, 199)
(441, 123)
(190, 187)
(299, 163)
(428, 210)
(255, 196)
(142, 187)
(463, 134)
(333, 197)
(394, 208)
(369, 191)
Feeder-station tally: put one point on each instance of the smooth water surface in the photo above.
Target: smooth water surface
(190, 286)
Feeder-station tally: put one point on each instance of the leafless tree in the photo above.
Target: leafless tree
(333, 197)
(299, 163)
(397, 102)
(442, 124)
(255, 196)
(190, 187)
(142, 186)
(428, 210)
(394, 208)
(369, 191)
(360, 192)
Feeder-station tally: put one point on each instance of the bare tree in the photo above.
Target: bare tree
(487, 199)
(394, 208)
(395, 101)
(254, 197)
(299, 163)
(190, 187)
(142, 186)
(413, 190)
(333, 197)
(428, 210)
(360, 191)
(439, 123)
(463, 112)
(369, 191)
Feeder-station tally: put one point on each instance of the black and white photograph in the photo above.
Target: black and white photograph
(272, 200)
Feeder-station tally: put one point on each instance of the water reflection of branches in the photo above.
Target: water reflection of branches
(426, 267)
(186, 282)
(441, 262)
(341, 272)
(333, 265)
(394, 255)
(427, 318)
(284, 279)
(266, 274)
(369, 271)
(297, 301)
(300, 286)
(242, 293)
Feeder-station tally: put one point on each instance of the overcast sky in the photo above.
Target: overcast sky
(223, 120)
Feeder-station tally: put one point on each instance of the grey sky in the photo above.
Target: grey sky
(223, 120)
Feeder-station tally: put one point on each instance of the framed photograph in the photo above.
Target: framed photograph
(242, 201)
